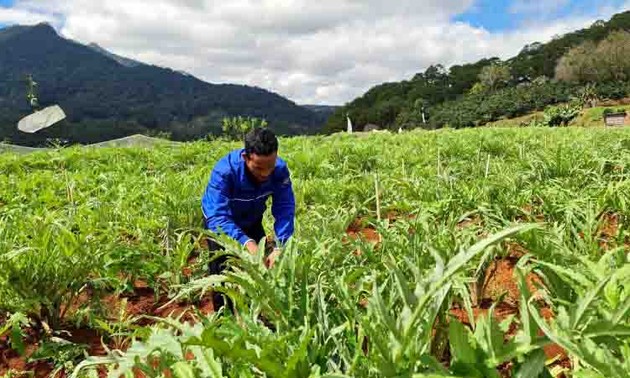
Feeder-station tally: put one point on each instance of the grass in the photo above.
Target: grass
(512, 122)
(589, 117)
(87, 225)
(595, 116)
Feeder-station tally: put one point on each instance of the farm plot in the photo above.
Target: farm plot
(485, 253)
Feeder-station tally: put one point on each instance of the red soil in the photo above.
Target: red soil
(531, 211)
(142, 301)
(500, 279)
(11, 361)
(609, 230)
(475, 220)
(359, 229)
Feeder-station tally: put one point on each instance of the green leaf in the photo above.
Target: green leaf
(489, 337)
(163, 340)
(527, 324)
(463, 258)
(432, 363)
(386, 319)
(468, 370)
(622, 312)
(605, 328)
(587, 299)
(183, 370)
(16, 337)
(566, 344)
(454, 265)
(460, 341)
(206, 362)
(300, 354)
(585, 352)
(533, 365)
(587, 373)
(270, 366)
(403, 285)
(569, 274)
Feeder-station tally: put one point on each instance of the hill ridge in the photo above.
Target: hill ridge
(106, 100)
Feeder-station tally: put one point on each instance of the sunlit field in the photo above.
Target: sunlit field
(473, 253)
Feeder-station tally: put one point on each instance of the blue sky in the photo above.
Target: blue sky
(506, 15)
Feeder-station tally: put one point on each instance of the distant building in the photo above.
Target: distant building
(371, 127)
(616, 119)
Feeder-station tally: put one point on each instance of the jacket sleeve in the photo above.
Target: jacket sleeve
(283, 207)
(216, 209)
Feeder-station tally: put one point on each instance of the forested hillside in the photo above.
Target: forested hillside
(490, 89)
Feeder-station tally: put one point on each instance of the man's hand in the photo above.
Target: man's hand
(271, 259)
(252, 247)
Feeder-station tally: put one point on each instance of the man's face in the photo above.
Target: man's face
(260, 166)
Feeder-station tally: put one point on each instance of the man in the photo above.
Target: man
(236, 195)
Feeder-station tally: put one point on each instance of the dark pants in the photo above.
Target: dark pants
(219, 264)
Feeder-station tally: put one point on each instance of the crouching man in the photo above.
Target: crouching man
(235, 198)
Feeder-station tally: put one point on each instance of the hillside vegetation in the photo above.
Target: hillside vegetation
(587, 64)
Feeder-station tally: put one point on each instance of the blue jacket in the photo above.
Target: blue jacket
(232, 202)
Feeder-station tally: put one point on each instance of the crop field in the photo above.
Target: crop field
(474, 253)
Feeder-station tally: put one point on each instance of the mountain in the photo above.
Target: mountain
(443, 90)
(121, 60)
(106, 96)
(323, 111)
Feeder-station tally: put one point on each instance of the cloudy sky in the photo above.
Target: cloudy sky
(311, 51)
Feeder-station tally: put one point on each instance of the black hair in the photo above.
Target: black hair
(261, 141)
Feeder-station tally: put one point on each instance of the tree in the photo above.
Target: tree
(578, 65)
(494, 76)
(590, 63)
(477, 89)
(599, 24)
(435, 73)
(532, 47)
(235, 128)
(560, 115)
(587, 96)
(414, 116)
(613, 57)
(419, 107)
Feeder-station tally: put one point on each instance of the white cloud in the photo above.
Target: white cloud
(22, 16)
(540, 7)
(323, 51)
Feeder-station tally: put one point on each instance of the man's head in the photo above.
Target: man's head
(261, 151)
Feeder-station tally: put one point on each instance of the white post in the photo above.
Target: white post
(488, 165)
(439, 162)
(378, 198)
